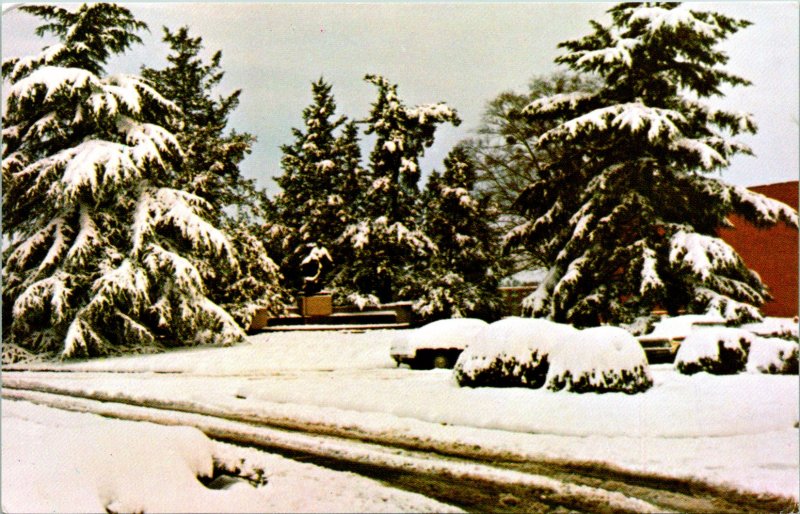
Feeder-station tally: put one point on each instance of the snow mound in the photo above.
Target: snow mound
(773, 356)
(600, 359)
(720, 351)
(512, 352)
(86, 463)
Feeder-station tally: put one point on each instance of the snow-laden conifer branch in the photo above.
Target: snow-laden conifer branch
(52, 80)
(18, 259)
(87, 240)
(37, 296)
(657, 18)
(633, 117)
(701, 254)
(650, 279)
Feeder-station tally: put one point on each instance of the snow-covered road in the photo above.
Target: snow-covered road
(739, 431)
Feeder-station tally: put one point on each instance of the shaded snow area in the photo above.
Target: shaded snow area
(739, 430)
(58, 461)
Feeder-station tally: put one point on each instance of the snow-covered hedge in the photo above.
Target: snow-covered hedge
(519, 352)
(721, 351)
(600, 359)
(774, 356)
(512, 352)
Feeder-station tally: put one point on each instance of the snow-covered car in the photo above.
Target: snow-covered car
(662, 344)
(437, 344)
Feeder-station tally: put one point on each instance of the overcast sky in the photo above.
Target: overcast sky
(461, 53)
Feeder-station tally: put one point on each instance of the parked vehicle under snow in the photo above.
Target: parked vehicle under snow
(437, 344)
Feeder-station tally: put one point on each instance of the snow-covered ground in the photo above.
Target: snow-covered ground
(58, 461)
(738, 430)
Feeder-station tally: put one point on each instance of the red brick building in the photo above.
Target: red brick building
(771, 252)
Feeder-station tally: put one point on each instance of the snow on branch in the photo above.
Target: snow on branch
(80, 337)
(19, 257)
(619, 52)
(230, 331)
(53, 79)
(570, 279)
(176, 208)
(659, 18)
(134, 84)
(650, 280)
(427, 112)
(633, 116)
(727, 307)
(701, 253)
(85, 160)
(768, 210)
(47, 291)
(709, 157)
(557, 102)
(87, 240)
(125, 285)
(149, 141)
(536, 302)
(25, 64)
(184, 274)
(57, 248)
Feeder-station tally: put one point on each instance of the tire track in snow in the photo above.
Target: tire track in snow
(475, 480)
(353, 455)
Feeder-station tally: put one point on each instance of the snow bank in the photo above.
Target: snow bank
(66, 462)
(721, 351)
(512, 352)
(774, 356)
(600, 359)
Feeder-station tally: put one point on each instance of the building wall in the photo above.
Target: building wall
(771, 252)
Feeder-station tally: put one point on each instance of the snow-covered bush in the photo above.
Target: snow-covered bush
(721, 351)
(774, 356)
(512, 352)
(521, 352)
(600, 359)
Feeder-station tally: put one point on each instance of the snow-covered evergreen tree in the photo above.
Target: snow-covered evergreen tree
(320, 182)
(210, 169)
(461, 278)
(104, 254)
(627, 217)
(386, 242)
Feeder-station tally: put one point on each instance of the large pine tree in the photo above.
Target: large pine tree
(320, 186)
(386, 243)
(210, 169)
(627, 217)
(104, 253)
(460, 279)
